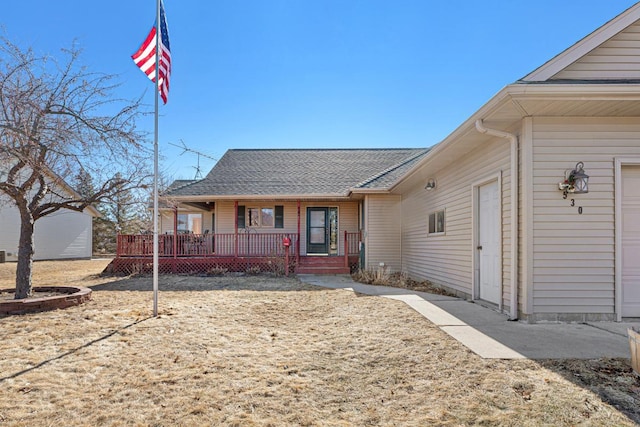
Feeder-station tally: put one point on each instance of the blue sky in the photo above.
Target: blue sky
(312, 73)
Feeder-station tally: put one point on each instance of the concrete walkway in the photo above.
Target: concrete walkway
(490, 335)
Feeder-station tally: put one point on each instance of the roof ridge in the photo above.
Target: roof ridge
(190, 182)
(392, 168)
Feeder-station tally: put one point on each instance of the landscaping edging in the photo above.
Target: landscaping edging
(69, 296)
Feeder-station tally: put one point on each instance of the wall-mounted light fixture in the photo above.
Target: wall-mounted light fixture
(431, 184)
(575, 181)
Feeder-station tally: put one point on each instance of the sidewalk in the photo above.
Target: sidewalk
(490, 335)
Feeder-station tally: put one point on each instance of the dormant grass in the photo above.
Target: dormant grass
(261, 351)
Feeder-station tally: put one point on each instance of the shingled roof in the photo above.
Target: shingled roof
(302, 172)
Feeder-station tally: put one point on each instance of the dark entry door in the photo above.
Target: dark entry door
(318, 230)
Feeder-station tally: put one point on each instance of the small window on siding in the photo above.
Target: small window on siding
(436, 222)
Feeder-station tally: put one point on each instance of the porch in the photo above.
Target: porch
(249, 251)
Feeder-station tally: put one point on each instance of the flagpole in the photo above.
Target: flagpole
(155, 166)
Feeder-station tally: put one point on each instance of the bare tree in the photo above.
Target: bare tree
(58, 120)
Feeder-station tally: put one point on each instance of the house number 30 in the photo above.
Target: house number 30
(573, 203)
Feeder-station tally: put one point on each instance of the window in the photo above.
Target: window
(190, 222)
(254, 217)
(436, 222)
(266, 217)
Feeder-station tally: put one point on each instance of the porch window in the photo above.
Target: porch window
(254, 217)
(190, 223)
(264, 217)
(436, 222)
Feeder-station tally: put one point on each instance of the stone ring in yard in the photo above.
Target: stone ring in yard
(52, 298)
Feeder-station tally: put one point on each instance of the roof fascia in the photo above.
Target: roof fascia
(585, 45)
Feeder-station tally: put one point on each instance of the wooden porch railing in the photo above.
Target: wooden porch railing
(199, 245)
(351, 245)
(249, 244)
(186, 253)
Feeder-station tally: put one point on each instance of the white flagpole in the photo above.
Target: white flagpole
(155, 168)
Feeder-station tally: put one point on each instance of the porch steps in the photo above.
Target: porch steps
(322, 265)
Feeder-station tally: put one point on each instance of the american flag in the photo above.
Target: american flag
(145, 57)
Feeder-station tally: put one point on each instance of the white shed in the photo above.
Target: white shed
(65, 234)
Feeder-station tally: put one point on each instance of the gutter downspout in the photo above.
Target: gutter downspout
(513, 139)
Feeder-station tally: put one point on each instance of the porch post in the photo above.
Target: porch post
(298, 240)
(175, 232)
(346, 250)
(235, 209)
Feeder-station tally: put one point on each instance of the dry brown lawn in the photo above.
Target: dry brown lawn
(260, 351)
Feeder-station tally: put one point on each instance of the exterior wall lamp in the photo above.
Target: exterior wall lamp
(431, 184)
(575, 181)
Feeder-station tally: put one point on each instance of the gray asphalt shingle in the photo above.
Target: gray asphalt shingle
(289, 172)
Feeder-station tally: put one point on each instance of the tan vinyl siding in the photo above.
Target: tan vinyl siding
(383, 232)
(447, 259)
(166, 222)
(617, 58)
(225, 217)
(573, 254)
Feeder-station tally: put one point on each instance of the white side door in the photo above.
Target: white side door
(630, 241)
(489, 242)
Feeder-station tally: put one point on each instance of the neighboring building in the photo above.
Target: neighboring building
(65, 234)
(481, 213)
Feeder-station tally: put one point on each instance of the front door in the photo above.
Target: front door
(318, 231)
(489, 242)
(630, 241)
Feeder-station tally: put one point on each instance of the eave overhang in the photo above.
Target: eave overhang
(508, 107)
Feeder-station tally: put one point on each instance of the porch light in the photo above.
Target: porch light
(575, 181)
(431, 184)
